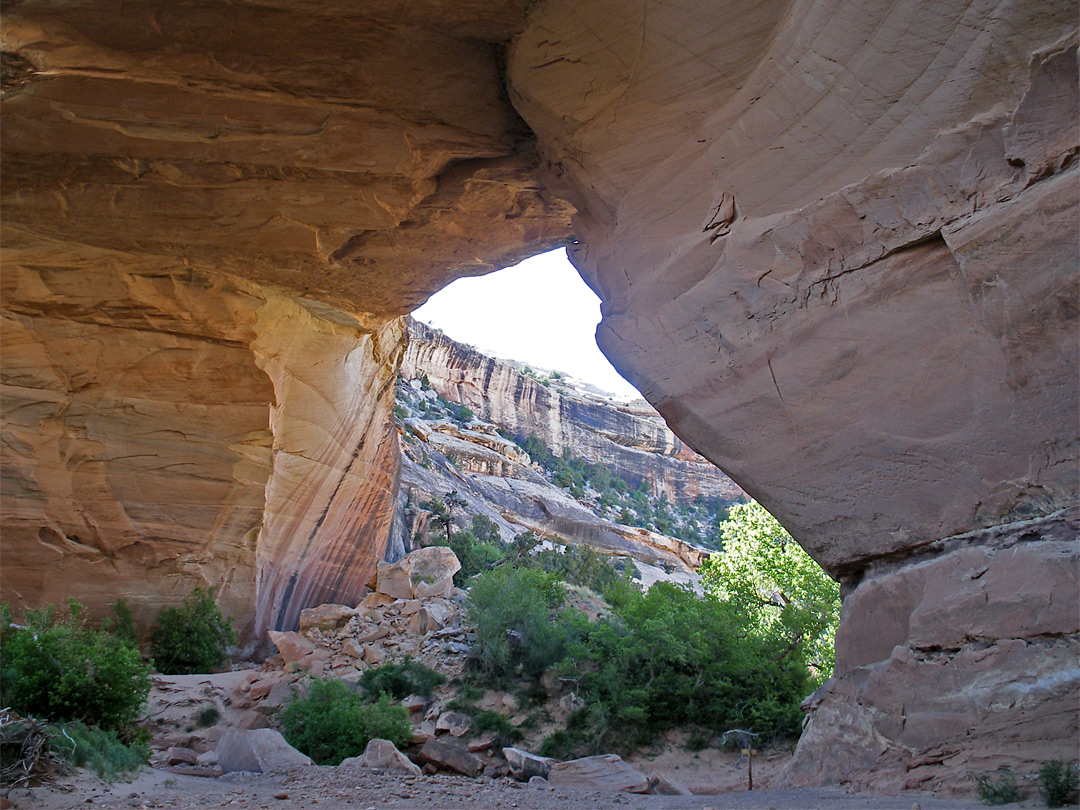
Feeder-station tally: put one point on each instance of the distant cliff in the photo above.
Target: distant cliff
(631, 439)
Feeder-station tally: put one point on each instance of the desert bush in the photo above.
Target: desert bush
(191, 638)
(400, 680)
(331, 722)
(207, 716)
(1058, 783)
(56, 668)
(517, 618)
(996, 788)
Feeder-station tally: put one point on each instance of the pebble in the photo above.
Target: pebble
(281, 794)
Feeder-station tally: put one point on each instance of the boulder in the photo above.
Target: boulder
(602, 772)
(258, 750)
(456, 723)
(325, 617)
(662, 786)
(181, 756)
(421, 573)
(448, 754)
(524, 766)
(383, 754)
(291, 645)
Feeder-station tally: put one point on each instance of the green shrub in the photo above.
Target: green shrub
(332, 722)
(997, 788)
(400, 680)
(100, 751)
(192, 638)
(670, 659)
(1058, 782)
(56, 668)
(515, 611)
(207, 716)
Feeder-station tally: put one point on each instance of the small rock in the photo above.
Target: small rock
(663, 786)
(450, 754)
(281, 794)
(373, 655)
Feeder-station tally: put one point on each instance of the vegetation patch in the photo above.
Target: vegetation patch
(192, 638)
(401, 680)
(331, 722)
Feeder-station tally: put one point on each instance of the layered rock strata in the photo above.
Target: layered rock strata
(837, 249)
(630, 438)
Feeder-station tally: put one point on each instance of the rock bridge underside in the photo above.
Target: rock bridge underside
(836, 245)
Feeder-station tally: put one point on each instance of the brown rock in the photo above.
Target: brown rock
(325, 617)
(352, 648)
(524, 766)
(181, 756)
(291, 645)
(373, 655)
(257, 751)
(424, 572)
(383, 754)
(450, 754)
(663, 786)
(603, 772)
(456, 723)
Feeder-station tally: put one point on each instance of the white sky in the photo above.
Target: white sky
(539, 312)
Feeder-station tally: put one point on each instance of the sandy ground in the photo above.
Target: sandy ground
(326, 788)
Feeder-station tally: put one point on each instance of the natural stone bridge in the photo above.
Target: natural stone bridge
(836, 245)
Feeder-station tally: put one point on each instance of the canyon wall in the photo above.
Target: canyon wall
(166, 430)
(837, 247)
(629, 438)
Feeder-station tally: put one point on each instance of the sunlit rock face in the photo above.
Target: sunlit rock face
(837, 249)
(164, 431)
(212, 217)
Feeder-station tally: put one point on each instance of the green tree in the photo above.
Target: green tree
(191, 638)
(776, 588)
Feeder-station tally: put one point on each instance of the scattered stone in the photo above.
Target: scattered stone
(281, 794)
(373, 655)
(325, 617)
(456, 723)
(663, 786)
(450, 754)
(252, 719)
(414, 703)
(258, 750)
(374, 634)
(524, 766)
(383, 754)
(482, 743)
(602, 772)
(539, 783)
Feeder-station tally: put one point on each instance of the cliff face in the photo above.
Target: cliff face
(836, 245)
(631, 439)
(839, 254)
(163, 431)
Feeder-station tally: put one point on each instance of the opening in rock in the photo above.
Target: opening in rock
(538, 312)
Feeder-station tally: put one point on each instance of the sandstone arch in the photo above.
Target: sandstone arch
(837, 246)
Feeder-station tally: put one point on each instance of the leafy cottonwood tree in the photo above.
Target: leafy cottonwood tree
(776, 588)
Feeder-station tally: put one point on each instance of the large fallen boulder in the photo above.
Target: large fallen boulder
(602, 772)
(258, 750)
(524, 766)
(325, 617)
(424, 572)
(383, 754)
(450, 754)
(291, 645)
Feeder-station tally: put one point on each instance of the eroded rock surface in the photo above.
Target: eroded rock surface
(836, 245)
